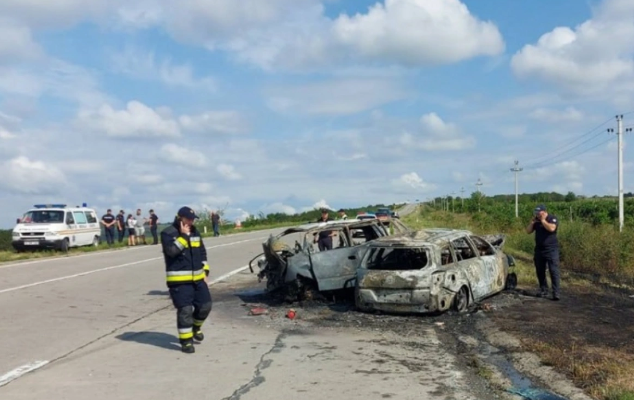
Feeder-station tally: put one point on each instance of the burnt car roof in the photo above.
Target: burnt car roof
(315, 226)
(423, 237)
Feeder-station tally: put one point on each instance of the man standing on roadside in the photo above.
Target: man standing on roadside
(342, 214)
(154, 226)
(215, 223)
(121, 225)
(108, 221)
(324, 238)
(139, 229)
(187, 270)
(546, 249)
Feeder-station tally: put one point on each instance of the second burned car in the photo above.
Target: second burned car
(432, 270)
(292, 263)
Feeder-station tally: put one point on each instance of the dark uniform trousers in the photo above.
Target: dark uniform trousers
(547, 258)
(325, 243)
(193, 305)
(187, 267)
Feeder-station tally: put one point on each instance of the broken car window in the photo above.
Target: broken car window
(445, 256)
(484, 248)
(463, 249)
(397, 259)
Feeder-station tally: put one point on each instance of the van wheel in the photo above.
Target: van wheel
(461, 300)
(65, 245)
(95, 241)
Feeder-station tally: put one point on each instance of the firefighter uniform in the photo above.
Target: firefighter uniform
(186, 269)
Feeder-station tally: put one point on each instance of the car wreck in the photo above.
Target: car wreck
(432, 270)
(293, 264)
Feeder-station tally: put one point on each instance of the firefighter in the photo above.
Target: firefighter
(187, 271)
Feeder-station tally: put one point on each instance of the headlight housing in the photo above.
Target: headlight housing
(15, 234)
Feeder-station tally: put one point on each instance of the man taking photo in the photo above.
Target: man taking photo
(546, 249)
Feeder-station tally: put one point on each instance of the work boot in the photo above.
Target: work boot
(188, 347)
(556, 296)
(198, 335)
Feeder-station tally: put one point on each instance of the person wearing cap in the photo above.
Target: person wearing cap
(342, 214)
(546, 255)
(324, 238)
(108, 221)
(187, 271)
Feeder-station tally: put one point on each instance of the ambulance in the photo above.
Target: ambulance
(56, 226)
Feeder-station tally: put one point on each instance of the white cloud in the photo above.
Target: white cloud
(570, 175)
(317, 205)
(594, 58)
(336, 97)
(143, 65)
(176, 154)
(147, 179)
(418, 32)
(25, 176)
(224, 122)
(16, 42)
(228, 172)
(412, 183)
(297, 34)
(570, 114)
(136, 120)
(437, 135)
(278, 207)
(513, 131)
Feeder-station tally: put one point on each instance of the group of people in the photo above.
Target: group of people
(133, 224)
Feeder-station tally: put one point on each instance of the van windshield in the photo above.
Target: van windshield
(43, 217)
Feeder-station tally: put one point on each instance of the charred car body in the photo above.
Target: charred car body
(432, 270)
(292, 262)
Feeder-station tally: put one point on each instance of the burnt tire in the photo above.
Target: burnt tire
(461, 300)
(511, 281)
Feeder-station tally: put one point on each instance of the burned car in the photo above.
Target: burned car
(432, 270)
(293, 263)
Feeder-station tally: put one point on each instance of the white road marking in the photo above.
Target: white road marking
(25, 369)
(112, 267)
(18, 372)
(97, 252)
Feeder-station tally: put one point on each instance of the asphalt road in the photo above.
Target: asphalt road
(101, 326)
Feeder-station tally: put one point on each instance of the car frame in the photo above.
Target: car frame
(300, 268)
(432, 270)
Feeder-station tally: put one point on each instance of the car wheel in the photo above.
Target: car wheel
(461, 300)
(95, 241)
(511, 281)
(65, 245)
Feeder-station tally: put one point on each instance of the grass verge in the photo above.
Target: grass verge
(588, 335)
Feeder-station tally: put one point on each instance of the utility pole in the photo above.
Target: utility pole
(619, 135)
(453, 197)
(478, 184)
(516, 169)
(462, 197)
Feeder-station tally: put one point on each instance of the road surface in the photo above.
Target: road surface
(101, 326)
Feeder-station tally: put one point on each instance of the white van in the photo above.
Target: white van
(55, 226)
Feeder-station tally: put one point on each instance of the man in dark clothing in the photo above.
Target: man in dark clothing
(215, 223)
(120, 225)
(154, 226)
(546, 249)
(108, 221)
(324, 238)
(187, 271)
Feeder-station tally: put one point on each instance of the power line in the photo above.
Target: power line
(573, 156)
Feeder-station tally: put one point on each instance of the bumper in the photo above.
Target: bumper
(403, 300)
(33, 244)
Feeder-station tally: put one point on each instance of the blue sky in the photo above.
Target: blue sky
(284, 105)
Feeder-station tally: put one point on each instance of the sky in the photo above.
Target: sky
(285, 105)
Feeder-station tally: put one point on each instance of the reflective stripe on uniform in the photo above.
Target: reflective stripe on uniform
(185, 333)
(205, 266)
(181, 242)
(185, 276)
(198, 323)
(195, 241)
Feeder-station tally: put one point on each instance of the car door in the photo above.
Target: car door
(81, 236)
(337, 268)
(494, 267)
(71, 228)
(468, 260)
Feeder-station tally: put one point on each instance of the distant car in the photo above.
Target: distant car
(384, 215)
(432, 270)
(292, 263)
(365, 215)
